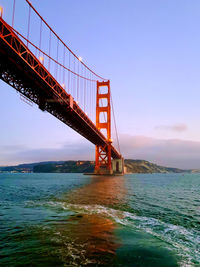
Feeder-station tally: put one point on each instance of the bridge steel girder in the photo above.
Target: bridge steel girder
(22, 70)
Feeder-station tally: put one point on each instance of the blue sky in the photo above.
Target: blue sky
(150, 50)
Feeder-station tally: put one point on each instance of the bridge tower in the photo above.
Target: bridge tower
(103, 163)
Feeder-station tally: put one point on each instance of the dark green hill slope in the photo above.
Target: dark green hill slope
(70, 166)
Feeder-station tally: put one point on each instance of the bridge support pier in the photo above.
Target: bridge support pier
(116, 169)
(118, 166)
(103, 162)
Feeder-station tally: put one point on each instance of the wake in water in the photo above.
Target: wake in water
(185, 243)
(137, 220)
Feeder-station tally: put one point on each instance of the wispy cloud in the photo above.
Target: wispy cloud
(179, 127)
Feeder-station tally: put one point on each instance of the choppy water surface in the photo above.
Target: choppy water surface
(75, 220)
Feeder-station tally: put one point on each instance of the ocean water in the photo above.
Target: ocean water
(76, 220)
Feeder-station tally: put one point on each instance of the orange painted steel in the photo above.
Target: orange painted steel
(103, 152)
(22, 70)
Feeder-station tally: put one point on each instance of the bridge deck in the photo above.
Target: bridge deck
(22, 70)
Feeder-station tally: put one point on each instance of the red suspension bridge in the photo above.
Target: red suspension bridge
(36, 62)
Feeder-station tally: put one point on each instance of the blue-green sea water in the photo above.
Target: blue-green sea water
(76, 220)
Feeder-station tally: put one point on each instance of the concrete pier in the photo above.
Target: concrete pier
(117, 169)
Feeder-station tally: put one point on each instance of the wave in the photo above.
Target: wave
(186, 242)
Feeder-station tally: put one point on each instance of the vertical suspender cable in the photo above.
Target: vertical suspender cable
(93, 102)
(90, 97)
(101, 78)
(29, 18)
(86, 93)
(78, 83)
(74, 88)
(84, 89)
(69, 74)
(56, 69)
(49, 50)
(64, 66)
(40, 40)
(95, 96)
(13, 15)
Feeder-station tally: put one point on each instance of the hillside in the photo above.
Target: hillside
(143, 166)
(132, 166)
(26, 167)
(66, 167)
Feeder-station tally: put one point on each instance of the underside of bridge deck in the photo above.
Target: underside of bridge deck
(24, 72)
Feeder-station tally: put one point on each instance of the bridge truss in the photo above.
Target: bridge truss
(29, 70)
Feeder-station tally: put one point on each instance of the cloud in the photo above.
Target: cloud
(11, 148)
(173, 152)
(179, 127)
(82, 150)
(178, 153)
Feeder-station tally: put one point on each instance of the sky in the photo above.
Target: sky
(150, 51)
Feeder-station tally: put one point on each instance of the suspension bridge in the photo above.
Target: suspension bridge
(36, 62)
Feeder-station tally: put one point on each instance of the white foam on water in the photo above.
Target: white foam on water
(185, 242)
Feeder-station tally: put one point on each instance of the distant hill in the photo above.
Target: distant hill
(70, 166)
(143, 166)
(66, 167)
(27, 167)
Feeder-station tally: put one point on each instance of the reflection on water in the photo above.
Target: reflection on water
(87, 239)
(92, 235)
(98, 233)
(76, 220)
(105, 191)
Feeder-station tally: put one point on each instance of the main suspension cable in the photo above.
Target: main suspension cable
(63, 42)
(51, 57)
